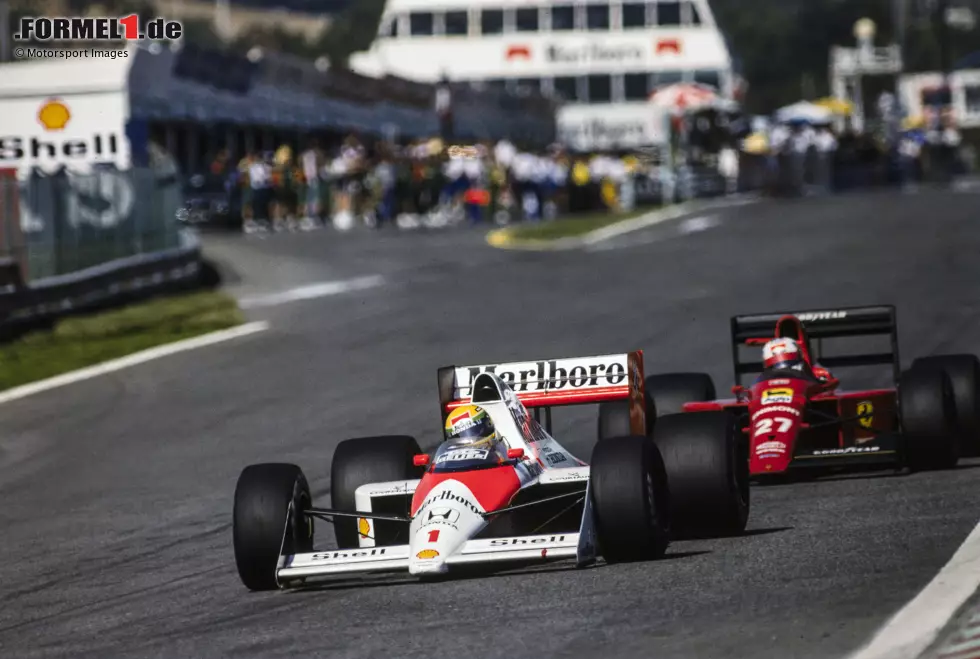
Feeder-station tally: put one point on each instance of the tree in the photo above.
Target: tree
(783, 43)
(352, 31)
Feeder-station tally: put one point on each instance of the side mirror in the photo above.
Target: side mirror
(515, 453)
(421, 460)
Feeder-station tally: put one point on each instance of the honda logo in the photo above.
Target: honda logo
(446, 515)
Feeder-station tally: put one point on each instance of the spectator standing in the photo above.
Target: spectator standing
(728, 168)
(778, 139)
(826, 147)
(523, 171)
(312, 162)
(559, 182)
(386, 177)
(474, 169)
(799, 146)
(260, 193)
(444, 108)
(909, 153)
(284, 183)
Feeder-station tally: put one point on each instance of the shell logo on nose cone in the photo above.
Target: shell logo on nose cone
(426, 554)
(363, 527)
(54, 115)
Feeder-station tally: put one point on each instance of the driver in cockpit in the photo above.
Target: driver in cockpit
(784, 354)
(472, 441)
(470, 426)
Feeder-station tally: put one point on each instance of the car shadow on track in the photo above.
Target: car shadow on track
(686, 537)
(483, 572)
(764, 531)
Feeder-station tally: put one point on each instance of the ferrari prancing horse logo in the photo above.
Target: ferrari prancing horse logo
(866, 410)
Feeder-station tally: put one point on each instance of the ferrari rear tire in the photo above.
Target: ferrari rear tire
(964, 375)
(366, 460)
(269, 499)
(669, 391)
(928, 415)
(630, 499)
(707, 465)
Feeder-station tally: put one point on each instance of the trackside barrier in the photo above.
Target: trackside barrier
(25, 306)
(78, 242)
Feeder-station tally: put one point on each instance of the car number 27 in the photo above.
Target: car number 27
(764, 426)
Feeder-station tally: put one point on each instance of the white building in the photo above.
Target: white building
(603, 57)
(964, 88)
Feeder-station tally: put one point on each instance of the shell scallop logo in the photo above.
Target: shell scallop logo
(54, 115)
(426, 554)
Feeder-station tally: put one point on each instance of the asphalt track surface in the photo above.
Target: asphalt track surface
(117, 492)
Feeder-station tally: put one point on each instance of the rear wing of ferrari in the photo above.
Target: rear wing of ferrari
(551, 383)
(821, 325)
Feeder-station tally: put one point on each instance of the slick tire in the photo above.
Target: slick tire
(669, 391)
(630, 499)
(614, 416)
(365, 460)
(614, 419)
(707, 465)
(269, 498)
(928, 415)
(964, 376)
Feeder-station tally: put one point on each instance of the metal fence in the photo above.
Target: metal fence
(63, 222)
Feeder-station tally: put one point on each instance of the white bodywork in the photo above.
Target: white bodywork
(443, 531)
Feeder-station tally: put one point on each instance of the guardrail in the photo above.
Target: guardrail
(71, 243)
(26, 306)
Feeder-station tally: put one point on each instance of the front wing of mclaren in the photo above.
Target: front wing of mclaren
(395, 558)
(580, 545)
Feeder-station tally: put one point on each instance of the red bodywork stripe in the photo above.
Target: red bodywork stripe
(546, 398)
(493, 488)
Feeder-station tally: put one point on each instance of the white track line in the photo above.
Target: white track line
(131, 360)
(311, 291)
(660, 216)
(698, 224)
(911, 630)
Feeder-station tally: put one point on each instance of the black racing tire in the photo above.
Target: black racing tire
(928, 416)
(365, 460)
(707, 464)
(630, 499)
(669, 391)
(269, 499)
(964, 375)
(614, 419)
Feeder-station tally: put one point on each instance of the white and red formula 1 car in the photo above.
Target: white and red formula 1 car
(396, 508)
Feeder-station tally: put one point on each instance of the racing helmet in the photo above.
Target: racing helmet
(470, 426)
(781, 354)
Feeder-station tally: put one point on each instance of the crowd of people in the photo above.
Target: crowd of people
(429, 182)
(423, 182)
(800, 158)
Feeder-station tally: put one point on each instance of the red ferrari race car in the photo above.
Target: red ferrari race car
(498, 488)
(795, 415)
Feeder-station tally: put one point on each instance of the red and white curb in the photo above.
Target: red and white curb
(964, 642)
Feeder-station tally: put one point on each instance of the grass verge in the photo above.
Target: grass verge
(563, 227)
(86, 340)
